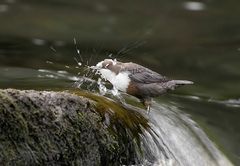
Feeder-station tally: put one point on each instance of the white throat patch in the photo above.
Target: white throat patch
(119, 81)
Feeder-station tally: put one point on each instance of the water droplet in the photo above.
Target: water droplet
(74, 41)
(52, 48)
(194, 6)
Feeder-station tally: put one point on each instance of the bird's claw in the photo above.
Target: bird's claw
(148, 109)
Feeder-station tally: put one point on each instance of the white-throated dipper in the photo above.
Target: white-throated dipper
(137, 80)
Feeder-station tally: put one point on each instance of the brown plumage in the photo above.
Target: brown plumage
(137, 80)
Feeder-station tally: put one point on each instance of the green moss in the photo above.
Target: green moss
(57, 128)
(104, 105)
(125, 125)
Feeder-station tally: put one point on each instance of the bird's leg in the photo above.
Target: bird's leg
(147, 102)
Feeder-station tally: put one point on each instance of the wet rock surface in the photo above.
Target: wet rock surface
(55, 128)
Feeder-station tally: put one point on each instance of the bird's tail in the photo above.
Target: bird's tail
(181, 82)
(156, 89)
(176, 83)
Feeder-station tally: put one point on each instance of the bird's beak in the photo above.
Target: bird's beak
(98, 66)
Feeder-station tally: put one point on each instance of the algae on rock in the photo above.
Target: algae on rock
(57, 128)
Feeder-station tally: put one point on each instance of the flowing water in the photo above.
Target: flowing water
(50, 44)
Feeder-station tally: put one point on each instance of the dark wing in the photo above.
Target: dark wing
(141, 74)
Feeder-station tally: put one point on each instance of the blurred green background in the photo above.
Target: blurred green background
(194, 40)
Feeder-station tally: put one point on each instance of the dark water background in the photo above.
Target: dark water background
(182, 40)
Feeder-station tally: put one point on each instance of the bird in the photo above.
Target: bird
(137, 80)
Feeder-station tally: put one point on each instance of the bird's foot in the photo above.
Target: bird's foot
(148, 109)
(147, 103)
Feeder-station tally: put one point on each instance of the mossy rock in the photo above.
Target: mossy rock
(60, 128)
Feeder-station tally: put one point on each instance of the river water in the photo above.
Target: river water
(46, 45)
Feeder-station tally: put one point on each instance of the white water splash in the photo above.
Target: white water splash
(102, 88)
(115, 91)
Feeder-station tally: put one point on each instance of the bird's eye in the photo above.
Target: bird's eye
(106, 65)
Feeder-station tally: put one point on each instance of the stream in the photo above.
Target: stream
(49, 45)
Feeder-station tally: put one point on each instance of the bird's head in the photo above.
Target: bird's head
(106, 63)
